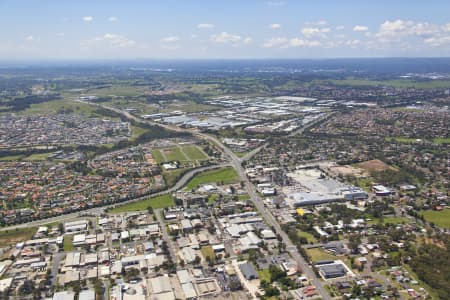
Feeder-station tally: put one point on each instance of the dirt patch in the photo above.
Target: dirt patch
(374, 165)
(347, 170)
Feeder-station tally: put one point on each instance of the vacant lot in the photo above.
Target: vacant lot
(208, 251)
(156, 202)
(318, 254)
(68, 243)
(221, 176)
(374, 165)
(308, 236)
(440, 218)
(13, 236)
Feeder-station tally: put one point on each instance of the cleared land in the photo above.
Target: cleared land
(11, 237)
(440, 218)
(221, 176)
(208, 251)
(68, 243)
(374, 165)
(156, 203)
(318, 254)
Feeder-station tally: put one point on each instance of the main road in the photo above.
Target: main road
(236, 163)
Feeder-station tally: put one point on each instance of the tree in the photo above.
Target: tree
(26, 288)
(353, 242)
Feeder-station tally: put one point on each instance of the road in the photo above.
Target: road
(166, 235)
(98, 210)
(236, 163)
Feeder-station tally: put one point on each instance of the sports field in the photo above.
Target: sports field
(440, 218)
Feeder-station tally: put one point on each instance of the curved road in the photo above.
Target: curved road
(97, 210)
(236, 163)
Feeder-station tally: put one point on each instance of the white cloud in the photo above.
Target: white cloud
(225, 37)
(282, 42)
(276, 42)
(247, 40)
(112, 19)
(205, 26)
(29, 38)
(170, 47)
(438, 41)
(116, 40)
(360, 28)
(340, 27)
(315, 31)
(391, 30)
(446, 27)
(60, 34)
(88, 18)
(296, 42)
(170, 39)
(275, 26)
(353, 43)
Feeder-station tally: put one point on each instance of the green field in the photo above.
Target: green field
(244, 197)
(441, 141)
(184, 153)
(403, 140)
(212, 198)
(171, 177)
(156, 202)
(158, 156)
(264, 275)
(318, 254)
(68, 243)
(440, 218)
(208, 251)
(175, 153)
(13, 236)
(194, 153)
(224, 175)
(55, 106)
(119, 90)
(308, 236)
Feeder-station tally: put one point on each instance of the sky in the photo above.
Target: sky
(227, 29)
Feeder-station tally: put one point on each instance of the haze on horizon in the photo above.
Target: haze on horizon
(175, 29)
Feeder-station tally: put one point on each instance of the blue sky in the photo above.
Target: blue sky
(111, 29)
